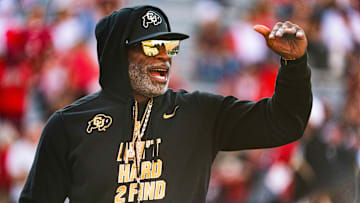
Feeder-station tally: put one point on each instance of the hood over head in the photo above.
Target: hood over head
(120, 29)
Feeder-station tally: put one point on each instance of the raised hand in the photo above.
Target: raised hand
(286, 39)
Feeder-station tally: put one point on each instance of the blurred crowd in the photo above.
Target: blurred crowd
(323, 167)
(48, 60)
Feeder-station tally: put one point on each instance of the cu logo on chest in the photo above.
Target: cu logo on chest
(100, 122)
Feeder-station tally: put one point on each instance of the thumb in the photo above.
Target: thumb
(262, 29)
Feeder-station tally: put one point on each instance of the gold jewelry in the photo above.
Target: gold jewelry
(138, 133)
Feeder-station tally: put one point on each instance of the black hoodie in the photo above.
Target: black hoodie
(81, 151)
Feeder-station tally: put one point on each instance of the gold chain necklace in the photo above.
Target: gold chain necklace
(138, 133)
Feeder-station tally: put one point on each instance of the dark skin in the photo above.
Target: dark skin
(286, 39)
(136, 55)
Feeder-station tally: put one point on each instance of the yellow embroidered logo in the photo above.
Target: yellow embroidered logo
(100, 122)
(167, 116)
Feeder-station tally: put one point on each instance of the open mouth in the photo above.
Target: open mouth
(159, 74)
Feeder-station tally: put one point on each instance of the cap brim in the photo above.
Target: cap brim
(162, 35)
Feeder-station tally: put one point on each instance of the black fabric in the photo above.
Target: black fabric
(111, 35)
(81, 151)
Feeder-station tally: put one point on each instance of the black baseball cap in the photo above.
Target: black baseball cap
(151, 23)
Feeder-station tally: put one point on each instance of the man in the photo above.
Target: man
(137, 141)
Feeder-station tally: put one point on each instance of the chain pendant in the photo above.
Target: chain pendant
(137, 128)
(136, 149)
(130, 154)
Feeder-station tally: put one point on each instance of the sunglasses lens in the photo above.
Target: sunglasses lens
(172, 47)
(152, 47)
(150, 51)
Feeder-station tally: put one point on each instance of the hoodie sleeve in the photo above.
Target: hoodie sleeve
(269, 122)
(48, 179)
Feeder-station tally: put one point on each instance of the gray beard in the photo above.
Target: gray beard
(141, 82)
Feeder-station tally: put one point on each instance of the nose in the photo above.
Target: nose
(163, 56)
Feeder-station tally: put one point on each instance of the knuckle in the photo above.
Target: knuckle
(288, 24)
(274, 30)
(278, 24)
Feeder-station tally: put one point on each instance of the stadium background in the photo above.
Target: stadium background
(48, 59)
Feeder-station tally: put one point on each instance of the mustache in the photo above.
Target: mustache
(161, 64)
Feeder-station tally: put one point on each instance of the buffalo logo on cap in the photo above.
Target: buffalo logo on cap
(151, 18)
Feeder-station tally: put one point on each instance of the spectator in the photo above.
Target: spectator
(337, 36)
(8, 133)
(15, 78)
(249, 47)
(214, 62)
(20, 157)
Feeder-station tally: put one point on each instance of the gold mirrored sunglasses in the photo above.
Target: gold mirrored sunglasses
(153, 47)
